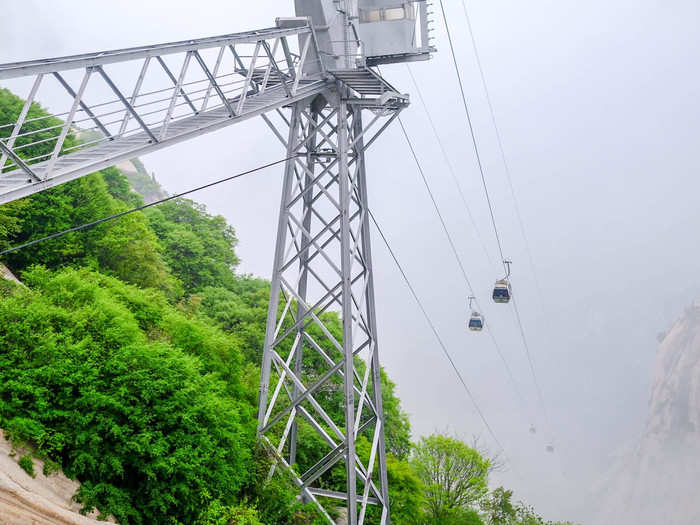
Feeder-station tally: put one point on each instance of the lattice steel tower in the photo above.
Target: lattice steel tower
(320, 411)
(323, 260)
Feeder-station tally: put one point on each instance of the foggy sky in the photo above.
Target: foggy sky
(597, 106)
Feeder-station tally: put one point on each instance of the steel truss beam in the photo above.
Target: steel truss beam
(323, 264)
(171, 101)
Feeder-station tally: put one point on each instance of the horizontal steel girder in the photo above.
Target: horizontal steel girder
(174, 92)
(16, 184)
(177, 91)
(101, 58)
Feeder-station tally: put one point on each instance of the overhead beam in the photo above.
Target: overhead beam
(144, 146)
(50, 65)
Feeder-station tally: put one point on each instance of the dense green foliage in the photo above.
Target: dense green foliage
(131, 360)
(103, 377)
(454, 476)
(197, 246)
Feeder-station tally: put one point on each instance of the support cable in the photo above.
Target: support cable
(473, 135)
(449, 164)
(437, 208)
(139, 208)
(488, 200)
(470, 289)
(437, 336)
(506, 166)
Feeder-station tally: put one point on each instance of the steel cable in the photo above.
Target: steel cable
(488, 200)
(441, 343)
(458, 258)
(139, 208)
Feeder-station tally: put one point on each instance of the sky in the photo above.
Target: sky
(597, 106)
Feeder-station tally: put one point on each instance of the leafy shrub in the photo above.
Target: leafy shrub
(150, 430)
(27, 464)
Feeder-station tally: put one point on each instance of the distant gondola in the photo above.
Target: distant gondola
(502, 292)
(476, 322)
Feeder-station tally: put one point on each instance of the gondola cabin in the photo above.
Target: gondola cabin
(502, 291)
(476, 322)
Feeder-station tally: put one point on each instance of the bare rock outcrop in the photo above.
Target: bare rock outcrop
(39, 500)
(657, 483)
(5, 273)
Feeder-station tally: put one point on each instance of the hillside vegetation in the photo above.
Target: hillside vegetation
(131, 361)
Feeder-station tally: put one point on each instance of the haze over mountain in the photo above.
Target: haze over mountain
(656, 482)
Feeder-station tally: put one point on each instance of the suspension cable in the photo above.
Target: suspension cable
(488, 200)
(437, 208)
(506, 166)
(139, 208)
(472, 134)
(449, 164)
(470, 289)
(441, 343)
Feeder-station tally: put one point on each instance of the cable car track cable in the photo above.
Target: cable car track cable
(488, 200)
(441, 343)
(139, 208)
(472, 134)
(514, 383)
(501, 149)
(437, 208)
(450, 168)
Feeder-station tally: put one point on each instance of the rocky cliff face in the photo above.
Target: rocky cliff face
(658, 483)
(36, 500)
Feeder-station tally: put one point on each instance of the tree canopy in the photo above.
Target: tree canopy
(455, 476)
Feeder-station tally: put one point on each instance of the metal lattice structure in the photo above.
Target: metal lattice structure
(320, 391)
(323, 263)
(130, 102)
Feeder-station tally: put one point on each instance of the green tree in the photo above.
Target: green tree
(219, 514)
(526, 515)
(405, 491)
(498, 508)
(198, 247)
(126, 248)
(463, 517)
(454, 476)
(398, 428)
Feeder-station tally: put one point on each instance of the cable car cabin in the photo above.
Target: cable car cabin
(502, 291)
(393, 31)
(476, 322)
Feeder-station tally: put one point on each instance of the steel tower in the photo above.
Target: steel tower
(323, 262)
(320, 406)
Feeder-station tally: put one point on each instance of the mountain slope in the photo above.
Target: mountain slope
(39, 500)
(657, 482)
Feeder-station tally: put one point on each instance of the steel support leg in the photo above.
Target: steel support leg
(307, 177)
(371, 311)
